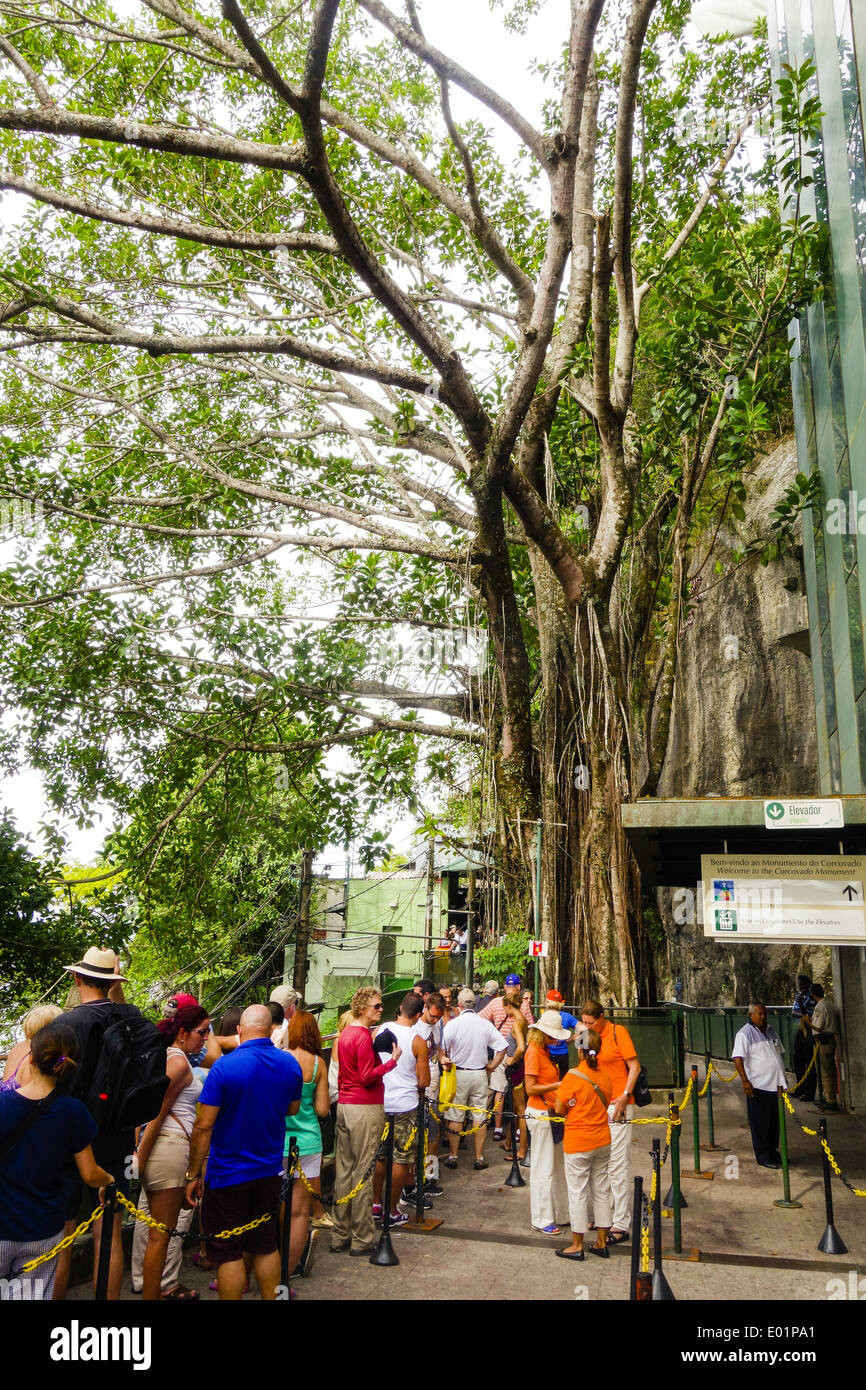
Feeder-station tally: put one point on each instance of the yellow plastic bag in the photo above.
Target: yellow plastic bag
(447, 1086)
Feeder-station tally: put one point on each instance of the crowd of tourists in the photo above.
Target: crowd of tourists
(234, 1109)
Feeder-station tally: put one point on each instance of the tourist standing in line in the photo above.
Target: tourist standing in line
(513, 1066)
(403, 1087)
(583, 1098)
(305, 1045)
(559, 1050)
(94, 977)
(41, 1128)
(465, 1042)
(289, 1000)
(491, 990)
(430, 1027)
(804, 1043)
(548, 1193)
(17, 1069)
(759, 1060)
(163, 1158)
(826, 1026)
(360, 1122)
(240, 1128)
(618, 1055)
(497, 1014)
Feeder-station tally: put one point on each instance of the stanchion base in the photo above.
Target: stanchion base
(713, 1148)
(662, 1291)
(384, 1254)
(668, 1200)
(515, 1179)
(831, 1243)
(689, 1173)
(782, 1203)
(693, 1256)
(427, 1224)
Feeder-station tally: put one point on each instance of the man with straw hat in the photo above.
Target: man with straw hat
(93, 976)
(548, 1193)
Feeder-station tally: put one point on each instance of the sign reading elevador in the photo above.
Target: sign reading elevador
(819, 813)
(788, 898)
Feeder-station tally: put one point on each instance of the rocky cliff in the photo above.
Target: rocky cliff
(744, 725)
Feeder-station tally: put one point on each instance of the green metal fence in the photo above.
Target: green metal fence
(659, 1040)
(713, 1030)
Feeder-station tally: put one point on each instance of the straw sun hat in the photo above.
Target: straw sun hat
(97, 965)
(550, 1023)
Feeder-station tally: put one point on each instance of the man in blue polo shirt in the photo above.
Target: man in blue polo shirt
(559, 1050)
(242, 1121)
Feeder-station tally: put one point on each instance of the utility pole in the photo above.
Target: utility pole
(302, 939)
(470, 929)
(428, 906)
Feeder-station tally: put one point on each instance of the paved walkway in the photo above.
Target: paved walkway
(749, 1249)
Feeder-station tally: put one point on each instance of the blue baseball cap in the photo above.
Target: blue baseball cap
(512, 979)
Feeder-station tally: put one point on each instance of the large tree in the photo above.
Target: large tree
(274, 298)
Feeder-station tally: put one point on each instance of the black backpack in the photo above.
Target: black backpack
(129, 1080)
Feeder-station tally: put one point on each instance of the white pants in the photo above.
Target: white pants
(174, 1253)
(620, 1172)
(587, 1178)
(548, 1193)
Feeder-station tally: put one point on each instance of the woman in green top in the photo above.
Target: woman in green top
(305, 1045)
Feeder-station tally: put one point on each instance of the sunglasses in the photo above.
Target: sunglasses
(201, 1032)
(378, 1006)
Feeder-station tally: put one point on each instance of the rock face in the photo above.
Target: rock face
(743, 725)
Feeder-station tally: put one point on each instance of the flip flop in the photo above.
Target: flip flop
(569, 1254)
(180, 1294)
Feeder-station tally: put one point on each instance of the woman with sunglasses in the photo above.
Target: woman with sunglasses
(360, 1121)
(163, 1154)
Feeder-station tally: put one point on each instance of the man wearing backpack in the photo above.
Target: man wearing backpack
(89, 1021)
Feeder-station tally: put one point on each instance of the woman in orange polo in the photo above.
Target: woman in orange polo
(583, 1097)
(548, 1194)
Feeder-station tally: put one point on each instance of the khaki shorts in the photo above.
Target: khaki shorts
(167, 1164)
(471, 1090)
(404, 1139)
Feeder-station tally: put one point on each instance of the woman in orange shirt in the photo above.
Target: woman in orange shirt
(583, 1098)
(548, 1194)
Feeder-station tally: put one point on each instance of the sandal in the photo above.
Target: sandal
(618, 1237)
(180, 1294)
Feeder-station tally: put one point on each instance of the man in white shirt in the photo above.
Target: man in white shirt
(465, 1042)
(758, 1057)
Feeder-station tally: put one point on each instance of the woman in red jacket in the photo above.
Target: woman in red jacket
(360, 1121)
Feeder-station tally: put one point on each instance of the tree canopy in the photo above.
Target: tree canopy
(280, 330)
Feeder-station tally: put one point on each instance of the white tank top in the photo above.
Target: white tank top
(401, 1084)
(184, 1104)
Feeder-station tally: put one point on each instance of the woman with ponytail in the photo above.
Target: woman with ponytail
(163, 1153)
(41, 1128)
(582, 1098)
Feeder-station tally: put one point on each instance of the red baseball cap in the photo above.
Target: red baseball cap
(554, 997)
(183, 1000)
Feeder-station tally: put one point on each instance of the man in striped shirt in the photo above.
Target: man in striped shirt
(497, 1014)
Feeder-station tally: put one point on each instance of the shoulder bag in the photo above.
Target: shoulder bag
(641, 1091)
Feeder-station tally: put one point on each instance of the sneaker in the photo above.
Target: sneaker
(407, 1201)
(377, 1211)
(398, 1218)
(320, 1223)
(450, 1163)
(433, 1189)
(479, 1164)
(497, 1134)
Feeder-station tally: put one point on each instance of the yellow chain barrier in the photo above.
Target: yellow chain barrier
(63, 1244)
(814, 1134)
(341, 1201)
(644, 1237)
(298, 1172)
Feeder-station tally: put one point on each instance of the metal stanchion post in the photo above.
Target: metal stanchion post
(515, 1177)
(711, 1130)
(674, 1190)
(662, 1291)
(421, 1221)
(106, 1237)
(674, 1198)
(784, 1201)
(831, 1243)
(288, 1190)
(698, 1172)
(635, 1239)
(384, 1253)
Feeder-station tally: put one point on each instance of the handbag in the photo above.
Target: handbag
(447, 1085)
(556, 1125)
(641, 1091)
